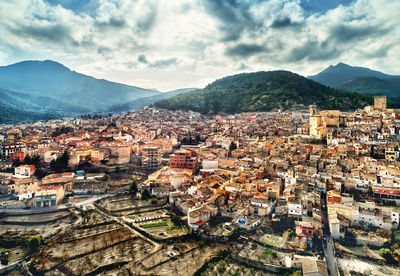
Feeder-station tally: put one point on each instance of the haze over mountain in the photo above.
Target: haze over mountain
(263, 91)
(142, 102)
(359, 79)
(52, 79)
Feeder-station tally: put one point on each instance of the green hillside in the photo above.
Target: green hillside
(142, 102)
(264, 91)
(374, 86)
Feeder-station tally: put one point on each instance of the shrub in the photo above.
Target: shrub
(154, 224)
(33, 243)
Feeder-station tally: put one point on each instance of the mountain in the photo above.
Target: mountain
(52, 79)
(359, 79)
(263, 91)
(20, 107)
(142, 102)
(374, 86)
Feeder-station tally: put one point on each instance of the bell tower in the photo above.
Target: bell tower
(380, 103)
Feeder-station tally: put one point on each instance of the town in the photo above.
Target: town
(154, 191)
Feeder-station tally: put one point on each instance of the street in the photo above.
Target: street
(329, 251)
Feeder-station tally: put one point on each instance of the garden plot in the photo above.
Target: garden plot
(44, 230)
(271, 239)
(188, 262)
(37, 218)
(228, 267)
(147, 215)
(120, 204)
(162, 255)
(365, 267)
(109, 258)
(93, 218)
(162, 228)
(261, 254)
(86, 232)
(58, 252)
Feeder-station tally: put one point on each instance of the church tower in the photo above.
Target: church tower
(380, 103)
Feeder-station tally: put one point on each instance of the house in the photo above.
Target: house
(24, 171)
(200, 213)
(259, 205)
(23, 186)
(313, 267)
(335, 227)
(294, 209)
(184, 159)
(160, 192)
(307, 230)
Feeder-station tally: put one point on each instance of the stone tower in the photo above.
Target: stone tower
(313, 110)
(380, 102)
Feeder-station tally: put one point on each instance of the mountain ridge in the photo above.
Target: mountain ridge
(52, 79)
(263, 91)
(359, 79)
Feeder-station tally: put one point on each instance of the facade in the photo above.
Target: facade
(184, 159)
(380, 103)
(23, 185)
(49, 196)
(321, 122)
(46, 198)
(200, 213)
(24, 171)
(151, 158)
(8, 149)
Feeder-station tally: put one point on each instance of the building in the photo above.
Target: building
(313, 267)
(9, 149)
(321, 122)
(124, 154)
(24, 171)
(380, 103)
(306, 231)
(46, 198)
(387, 193)
(184, 159)
(23, 186)
(200, 214)
(151, 158)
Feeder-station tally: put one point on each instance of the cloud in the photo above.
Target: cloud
(344, 33)
(313, 50)
(172, 44)
(142, 58)
(234, 17)
(244, 50)
(285, 22)
(164, 63)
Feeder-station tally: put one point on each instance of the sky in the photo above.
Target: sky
(171, 44)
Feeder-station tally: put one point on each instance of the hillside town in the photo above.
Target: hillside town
(298, 192)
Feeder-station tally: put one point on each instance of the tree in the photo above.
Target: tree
(33, 243)
(385, 253)
(61, 163)
(133, 188)
(176, 220)
(232, 147)
(145, 194)
(33, 159)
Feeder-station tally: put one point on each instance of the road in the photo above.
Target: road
(329, 251)
(21, 211)
(327, 244)
(86, 202)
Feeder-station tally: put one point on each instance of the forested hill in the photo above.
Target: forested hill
(263, 91)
